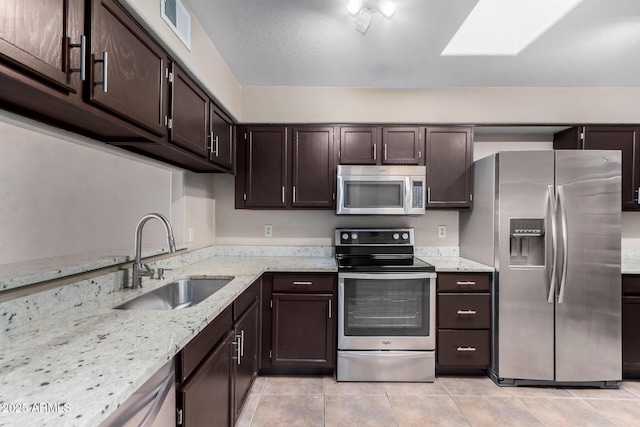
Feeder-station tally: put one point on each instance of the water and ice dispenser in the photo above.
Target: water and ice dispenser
(527, 246)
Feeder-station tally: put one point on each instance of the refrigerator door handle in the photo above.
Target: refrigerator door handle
(565, 243)
(554, 243)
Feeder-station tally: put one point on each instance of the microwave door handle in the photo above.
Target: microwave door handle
(407, 194)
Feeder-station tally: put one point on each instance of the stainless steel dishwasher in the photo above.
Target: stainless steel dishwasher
(153, 404)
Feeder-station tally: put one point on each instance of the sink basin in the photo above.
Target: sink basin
(176, 295)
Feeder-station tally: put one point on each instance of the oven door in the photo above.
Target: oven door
(386, 311)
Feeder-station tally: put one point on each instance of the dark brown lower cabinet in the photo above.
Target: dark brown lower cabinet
(298, 323)
(205, 400)
(245, 357)
(630, 329)
(216, 369)
(463, 323)
(302, 330)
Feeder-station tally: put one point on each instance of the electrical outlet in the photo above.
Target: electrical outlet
(192, 234)
(268, 230)
(442, 231)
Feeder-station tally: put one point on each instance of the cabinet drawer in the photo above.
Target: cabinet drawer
(630, 284)
(194, 353)
(303, 282)
(464, 282)
(244, 301)
(463, 348)
(464, 311)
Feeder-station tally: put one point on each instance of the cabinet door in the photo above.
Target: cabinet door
(127, 68)
(314, 169)
(189, 114)
(246, 355)
(303, 330)
(619, 138)
(359, 145)
(449, 158)
(265, 167)
(630, 336)
(402, 146)
(221, 128)
(37, 35)
(205, 399)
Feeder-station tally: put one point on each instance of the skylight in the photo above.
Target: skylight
(506, 27)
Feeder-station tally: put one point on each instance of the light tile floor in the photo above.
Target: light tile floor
(449, 401)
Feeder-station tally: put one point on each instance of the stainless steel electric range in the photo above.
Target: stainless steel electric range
(386, 307)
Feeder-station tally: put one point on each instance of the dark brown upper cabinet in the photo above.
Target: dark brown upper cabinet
(127, 68)
(262, 168)
(374, 145)
(188, 122)
(402, 146)
(623, 138)
(45, 38)
(221, 138)
(283, 167)
(359, 145)
(313, 168)
(449, 156)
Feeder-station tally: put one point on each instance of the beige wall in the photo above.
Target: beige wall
(203, 61)
(464, 105)
(64, 194)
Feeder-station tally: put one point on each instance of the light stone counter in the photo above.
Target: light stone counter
(86, 360)
(630, 266)
(456, 264)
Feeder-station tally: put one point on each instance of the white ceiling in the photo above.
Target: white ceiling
(314, 43)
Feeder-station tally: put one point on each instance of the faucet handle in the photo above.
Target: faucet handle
(149, 270)
(161, 271)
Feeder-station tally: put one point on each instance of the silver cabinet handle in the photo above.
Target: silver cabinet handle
(375, 156)
(303, 283)
(238, 345)
(638, 198)
(554, 243)
(463, 349)
(83, 53)
(283, 194)
(242, 342)
(294, 194)
(428, 195)
(385, 151)
(210, 144)
(105, 72)
(469, 312)
(565, 243)
(465, 283)
(329, 308)
(217, 153)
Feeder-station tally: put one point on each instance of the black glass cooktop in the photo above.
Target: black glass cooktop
(389, 263)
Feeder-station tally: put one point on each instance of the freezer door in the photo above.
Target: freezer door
(525, 329)
(588, 308)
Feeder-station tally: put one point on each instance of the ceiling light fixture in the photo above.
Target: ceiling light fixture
(506, 27)
(363, 9)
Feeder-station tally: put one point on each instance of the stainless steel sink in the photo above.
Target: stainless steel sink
(176, 295)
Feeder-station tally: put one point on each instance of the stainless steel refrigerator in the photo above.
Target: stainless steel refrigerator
(550, 224)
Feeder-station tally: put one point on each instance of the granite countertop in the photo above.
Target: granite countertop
(445, 264)
(89, 359)
(630, 266)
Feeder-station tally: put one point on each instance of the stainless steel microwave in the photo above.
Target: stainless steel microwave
(381, 190)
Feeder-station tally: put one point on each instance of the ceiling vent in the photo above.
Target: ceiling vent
(178, 18)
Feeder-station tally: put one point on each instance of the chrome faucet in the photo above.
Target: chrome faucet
(140, 270)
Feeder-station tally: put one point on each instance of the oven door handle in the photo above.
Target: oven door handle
(387, 276)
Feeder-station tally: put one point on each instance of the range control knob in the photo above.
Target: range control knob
(396, 236)
(345, 236)
(405, 236)
(354, 236)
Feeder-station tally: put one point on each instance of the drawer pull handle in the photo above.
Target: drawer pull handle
(466, 349)
(303, 283)
(465, 283)
(469, 312)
